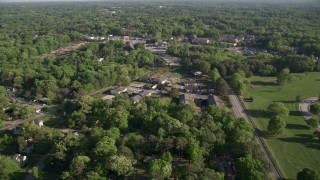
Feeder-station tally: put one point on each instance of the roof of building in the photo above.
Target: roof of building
(135, 98)
(119, 89)
(107, 97)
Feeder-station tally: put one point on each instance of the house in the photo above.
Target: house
(107, 97)
(38, 123)
(212, 100)
(191, 82)
(135, 99)
(202, 41)
(38, 110)
(137, 85)
(22, 160)
(119, 90)
(195, 40)
(206, 89)
(145, 93)
(17, 130)
(185, 98)
(44, 100)
(109, 12)
(249, 53)
(196, 73)
(28, 148)
(192, 89)
(126, 38)
(171, 61)
(155, 86)
(145, 79)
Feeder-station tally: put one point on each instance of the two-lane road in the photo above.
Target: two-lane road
(240, 111)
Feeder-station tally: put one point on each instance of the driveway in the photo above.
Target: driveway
(304, 106)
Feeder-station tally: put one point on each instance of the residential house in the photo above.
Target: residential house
(185, 98)
(191, 82)
(145, 93)
(135, 99)
(38, 110)
(196, 73)
(107, 97)
(126, 38)
(195, 40)
(22, 160)
(118, 90)
(44, 100)
(38, 123)
(249, 53)
(171, 61)
(199, 89)
(212, 100)
(192, 89)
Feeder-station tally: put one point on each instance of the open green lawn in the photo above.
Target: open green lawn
(295, 149)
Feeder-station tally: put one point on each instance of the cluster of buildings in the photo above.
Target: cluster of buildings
(26, 147)
(199, 41)
(95, 37)
(231, 38)
(109, 11)
(135, 91)
(171, 60)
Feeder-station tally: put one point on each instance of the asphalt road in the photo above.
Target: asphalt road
(304, 106)
(240, 111)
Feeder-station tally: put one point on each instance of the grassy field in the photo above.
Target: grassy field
(295, 149)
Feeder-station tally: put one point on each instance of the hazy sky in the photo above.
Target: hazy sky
(293, 1)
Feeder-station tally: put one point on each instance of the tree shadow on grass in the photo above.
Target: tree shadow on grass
(286, 101)
(263, 83)
(257, 113)
(304, 139)
(296, 126)
(295, 113)
(269, 91)
(264, 134)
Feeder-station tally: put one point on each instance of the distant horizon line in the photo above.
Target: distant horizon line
(259, 1)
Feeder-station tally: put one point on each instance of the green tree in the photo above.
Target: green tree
(308, 174)
(249, 168)
(298, 99)
(8, 167)
(315, 109)
(214, 75)
(167, 157)
(120, 165)
(237, 82)
(313, 122)
(105, 147)
(78, 166)
(35, 172)
(159, 169)
(278, 108)
(222, 87)
(276, 125)
(284, 77)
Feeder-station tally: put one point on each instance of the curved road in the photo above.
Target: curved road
(304, 106)
(239, 110)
